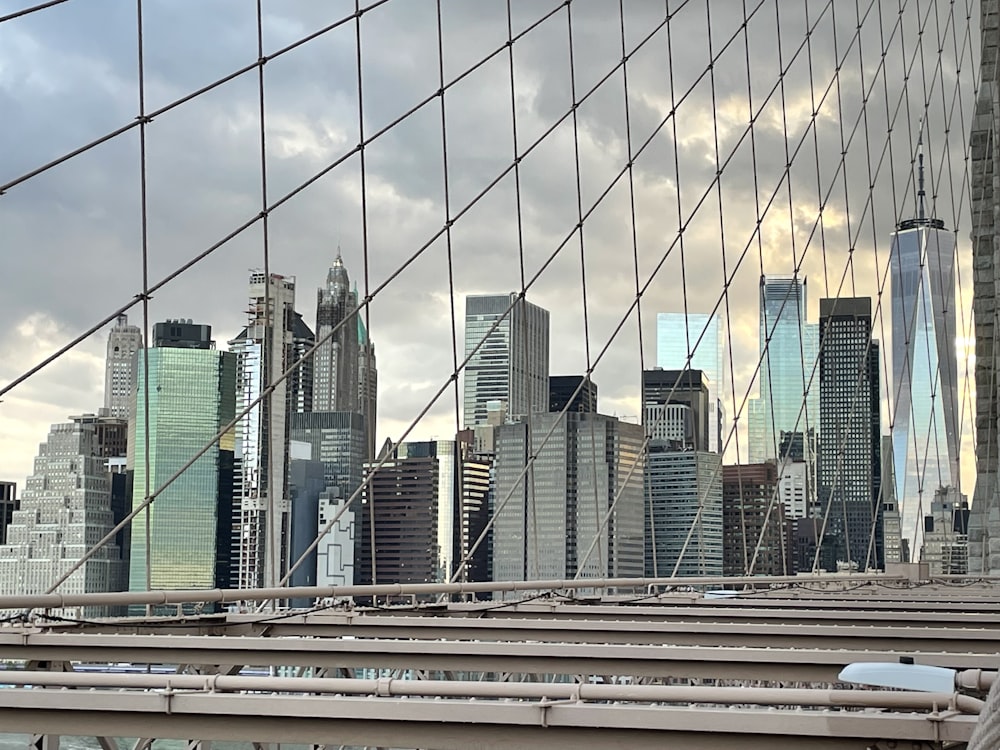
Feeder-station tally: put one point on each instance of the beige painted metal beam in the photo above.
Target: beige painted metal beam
(234, 596)
(453, 724)
(466, 656)
(733, 634)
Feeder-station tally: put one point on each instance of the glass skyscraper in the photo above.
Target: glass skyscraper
(925, 436)
(512, 365)
(700, 335)
(789, 347)
(192, 393)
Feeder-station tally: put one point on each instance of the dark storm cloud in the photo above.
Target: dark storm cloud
(71, 237)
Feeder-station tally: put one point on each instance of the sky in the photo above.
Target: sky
(71, 237)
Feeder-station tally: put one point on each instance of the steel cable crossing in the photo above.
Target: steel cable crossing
(450, 219)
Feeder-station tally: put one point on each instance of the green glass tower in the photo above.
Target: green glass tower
(192, 394)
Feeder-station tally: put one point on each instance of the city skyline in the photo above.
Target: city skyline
(203, 182)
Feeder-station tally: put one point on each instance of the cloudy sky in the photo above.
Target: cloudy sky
(70, 237)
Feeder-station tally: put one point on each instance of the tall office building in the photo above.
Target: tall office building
(264, 349)
(367, 385)
(337, 442)
(335, 372)
(924, 364)
(300, 382)
(124, 344)
(326, 560)
(192, 388)
(700, 335)
(896, 551)
(547, 520)
(946, 542)
(850, 465)
(755, 530)
(421, 515)
(65, 509)
(683, 515)
(512, 364)
(788, 346)
(677, 407)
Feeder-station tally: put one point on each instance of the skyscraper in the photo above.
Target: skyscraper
(755, 529)
(850, 466)
(583, 475)
(65, 509)
(512, 365)
(682, 478)
(422, 512)
(192, 389)
(264, 349)
(367, 385)
(676, 408)
(925, 433)
(124, 343)
(683, 518)
(335, 371)
(700, 335)
(337, 441)
(788, 345)
(300, 382)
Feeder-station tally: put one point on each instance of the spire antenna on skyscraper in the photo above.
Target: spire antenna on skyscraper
(921, 220)
(920, 172)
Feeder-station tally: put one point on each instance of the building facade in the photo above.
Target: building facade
(946, 534)
(577, 510)
(335, 376)
(65, 508)
(264, 350)
(367, 385)
(924, 365)
(677, 407)
(755, 531)
(576, 390)
(8, 504)
(192, 395)
(124, 345)
(694, 341)
(850, 464)
(422, 511)
(683, 518)
(789, 391)
(337, 441)
(984, 153)
(507, 344)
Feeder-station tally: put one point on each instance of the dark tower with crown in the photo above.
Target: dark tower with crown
(335, 372)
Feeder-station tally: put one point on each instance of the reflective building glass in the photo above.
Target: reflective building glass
(788, 346)
(191, 397)
(925, 432)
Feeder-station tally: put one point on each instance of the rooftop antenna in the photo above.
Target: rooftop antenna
(920, 173)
